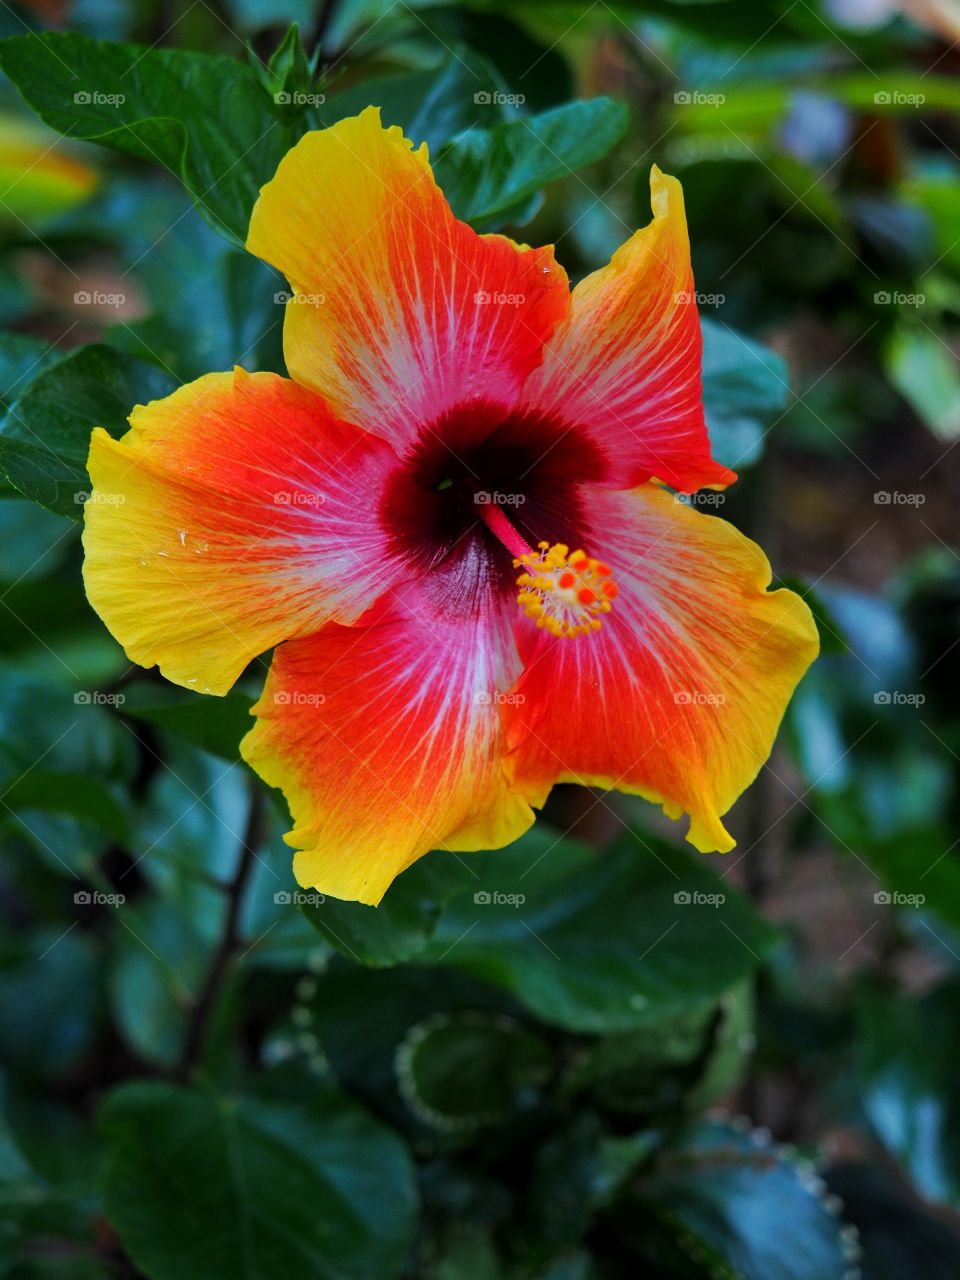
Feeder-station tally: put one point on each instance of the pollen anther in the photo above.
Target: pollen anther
(565, 594)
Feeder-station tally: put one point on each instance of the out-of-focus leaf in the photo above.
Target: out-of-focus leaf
(210, 1187)
(157, 964)
(206, 118)
(466, 1071)
(730, 1192)
(744, 386)
(215, 724)
(45, 433)
(600, 942)
(50, 1002)
(899, 1240)
(487, 172)
(33, 541)
(908, 1083)
(401, 926)
(925, 371)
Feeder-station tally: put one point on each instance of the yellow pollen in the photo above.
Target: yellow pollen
(565, 594)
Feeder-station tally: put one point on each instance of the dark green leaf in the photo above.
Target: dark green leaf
(487, 172)
(207, 119)
(600, 942)
(215, 724)
(730, 1192)
(45, 434)
(744, 386)
(464, 1071)
(213, 1188)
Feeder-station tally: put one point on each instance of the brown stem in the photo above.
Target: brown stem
(230, 939)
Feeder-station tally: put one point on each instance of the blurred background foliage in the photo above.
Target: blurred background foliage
(593, 1055)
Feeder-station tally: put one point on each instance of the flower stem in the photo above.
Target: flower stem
(230, 939)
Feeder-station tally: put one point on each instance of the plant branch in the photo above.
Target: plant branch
(230, 939)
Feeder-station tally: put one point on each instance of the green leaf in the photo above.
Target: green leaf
(429, 106)
(600, 942)
(487, 172)
(50, 1002)
(33, 542)
(729, 1192)
(401, 926)
(923, 368)
(207, 119)
(45, 433)
(157, 964)
(215, 724)
(22, 357)
(900, 1241)
(215, 1188)
(469, 1070)
(744, 386)
(908, 1051)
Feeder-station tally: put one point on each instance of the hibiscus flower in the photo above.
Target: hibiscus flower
(458, 523)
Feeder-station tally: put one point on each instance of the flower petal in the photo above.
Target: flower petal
(385, 740)
(234, 514)
(678, 697)
(400, 312)
(626, 365)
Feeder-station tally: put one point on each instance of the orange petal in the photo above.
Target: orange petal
(678, 697)
(235, 513)
(385, 740)
(626, 366)
(400, 312)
